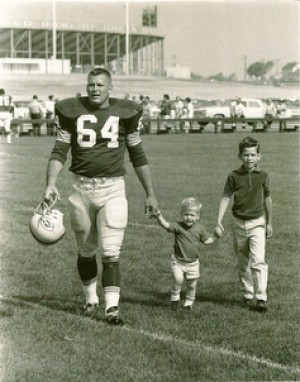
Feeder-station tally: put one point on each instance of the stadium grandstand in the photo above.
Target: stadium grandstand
(71, 37)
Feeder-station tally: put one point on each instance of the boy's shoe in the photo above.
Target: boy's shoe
(175, 305)
(188, 307)
(112, 316)
(90, 310)
(261, 306)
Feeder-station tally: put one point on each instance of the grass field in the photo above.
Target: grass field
(44, 339)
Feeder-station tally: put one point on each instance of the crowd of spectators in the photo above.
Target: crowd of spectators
(168, 111)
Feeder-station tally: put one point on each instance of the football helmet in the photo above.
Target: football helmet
(46, 225)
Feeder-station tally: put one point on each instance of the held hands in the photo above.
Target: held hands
(151, 207)
(219, 230)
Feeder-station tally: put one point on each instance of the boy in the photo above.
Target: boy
(252, 219)
(189, 234)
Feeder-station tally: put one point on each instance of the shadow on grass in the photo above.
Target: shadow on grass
(159, 299)
(48, 302)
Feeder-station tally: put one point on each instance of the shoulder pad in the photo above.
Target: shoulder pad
(72, 107)
(125, 108)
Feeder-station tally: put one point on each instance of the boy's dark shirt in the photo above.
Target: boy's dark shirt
(250, 190)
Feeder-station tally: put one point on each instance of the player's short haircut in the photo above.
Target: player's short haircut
(2, 91)
(247, 143)
(190, 204)
(99, 71)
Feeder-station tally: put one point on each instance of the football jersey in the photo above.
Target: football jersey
(6, 103)
(97, 137)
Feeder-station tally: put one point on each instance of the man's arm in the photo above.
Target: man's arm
(53, 170)
(144, 176)
(269, 208)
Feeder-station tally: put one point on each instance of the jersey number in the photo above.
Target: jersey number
(87, 137)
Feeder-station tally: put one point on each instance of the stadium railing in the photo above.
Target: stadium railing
(220, 125)
(196, 125)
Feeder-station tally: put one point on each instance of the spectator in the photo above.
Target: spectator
(165, 111)
(36, 112)
(281, 113)
(141, 99)
(147, 113)
(6, 114)
(177, 111)
(188, 112)
(178, 107)
(238, 111)
(270, 113)
(50, 107)
(233, 112)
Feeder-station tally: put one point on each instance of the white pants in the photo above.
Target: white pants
(249, 240)
(99, 214)
(5, 121)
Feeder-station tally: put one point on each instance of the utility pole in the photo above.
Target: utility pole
(54, 29)
(245, 68)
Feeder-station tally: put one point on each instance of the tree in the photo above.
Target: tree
(259, 69)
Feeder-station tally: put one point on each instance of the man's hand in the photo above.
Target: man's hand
(269, 231)
(219, 230)
(151, 207)
(51, 192)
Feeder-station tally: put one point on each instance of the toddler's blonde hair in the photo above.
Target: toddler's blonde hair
(190, 204)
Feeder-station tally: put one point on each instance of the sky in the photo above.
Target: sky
(208, 36)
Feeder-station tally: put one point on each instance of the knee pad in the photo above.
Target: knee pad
(111, 275)
(87, 268)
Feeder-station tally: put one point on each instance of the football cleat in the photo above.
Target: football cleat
(46, 225)
(112, 316)
(91, 311)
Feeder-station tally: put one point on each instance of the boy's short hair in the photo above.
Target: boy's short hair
(248, 142)
(190, 204)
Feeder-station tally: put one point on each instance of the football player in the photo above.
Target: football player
(97, 129)
(6, 114)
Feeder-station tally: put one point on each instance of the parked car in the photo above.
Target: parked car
(253, 108)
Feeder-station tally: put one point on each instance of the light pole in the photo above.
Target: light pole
(127, 36)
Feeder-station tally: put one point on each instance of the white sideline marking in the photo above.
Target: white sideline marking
(224, 351)
(168, 338)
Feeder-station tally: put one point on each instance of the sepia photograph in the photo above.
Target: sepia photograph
(149, 181)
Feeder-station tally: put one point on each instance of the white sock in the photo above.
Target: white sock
(188, 303)
(111, 296)
(90, 292)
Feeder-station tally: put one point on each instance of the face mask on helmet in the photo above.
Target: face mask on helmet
(46, 225)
